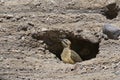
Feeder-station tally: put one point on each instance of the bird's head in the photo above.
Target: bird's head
(66, 43)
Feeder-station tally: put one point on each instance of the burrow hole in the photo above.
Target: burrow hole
(86, 49)
(111, 11)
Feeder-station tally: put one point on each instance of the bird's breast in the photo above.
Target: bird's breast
(66, 56)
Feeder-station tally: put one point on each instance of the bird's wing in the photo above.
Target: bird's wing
(75, 56)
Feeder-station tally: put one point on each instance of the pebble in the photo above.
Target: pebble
(1, 59)
(44, 29)
(112, 32)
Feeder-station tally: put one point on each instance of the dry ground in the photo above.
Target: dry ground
(29, 39)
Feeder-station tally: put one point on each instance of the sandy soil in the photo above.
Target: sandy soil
(30, 33)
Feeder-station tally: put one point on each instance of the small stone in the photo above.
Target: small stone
(31, 24)
(44, 29)
(23, 38)
(8, 66)
(8, 16)
(40, 41)
(1, 59)
(112, 32)
(41, 49)
(1, 19)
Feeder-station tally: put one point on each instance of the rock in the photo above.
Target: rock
(8, 16)
(1, 59)
(30, 23)
(44, 29)
(111, 31)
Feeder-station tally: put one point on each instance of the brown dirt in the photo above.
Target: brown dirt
(30, 33)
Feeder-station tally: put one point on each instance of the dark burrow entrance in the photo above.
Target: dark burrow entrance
(86, 49)
(111, 11)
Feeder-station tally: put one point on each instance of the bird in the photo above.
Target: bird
(68, 55)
